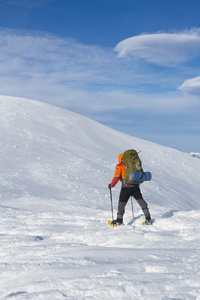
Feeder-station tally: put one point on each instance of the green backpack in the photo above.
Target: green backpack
(132, 163)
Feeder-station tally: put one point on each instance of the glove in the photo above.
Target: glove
(109, 186)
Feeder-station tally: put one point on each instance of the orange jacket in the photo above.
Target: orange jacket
(119, 171)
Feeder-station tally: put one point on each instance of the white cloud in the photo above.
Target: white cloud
(191, 86)
(49, 58)
(167, 49)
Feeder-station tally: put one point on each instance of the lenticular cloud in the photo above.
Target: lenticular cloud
(191, 86)
(167, 49)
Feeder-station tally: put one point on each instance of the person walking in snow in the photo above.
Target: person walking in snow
(127, 190)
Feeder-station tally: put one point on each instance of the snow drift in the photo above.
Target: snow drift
(55, 242)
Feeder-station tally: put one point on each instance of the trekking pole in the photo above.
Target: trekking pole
(132, 206)
(111, 205)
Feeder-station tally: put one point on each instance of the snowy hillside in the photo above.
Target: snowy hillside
(54, 206)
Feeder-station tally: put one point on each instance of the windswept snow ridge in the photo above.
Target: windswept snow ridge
(195, 154)
(54, 206)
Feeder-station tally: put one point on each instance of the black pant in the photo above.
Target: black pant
(125, 194)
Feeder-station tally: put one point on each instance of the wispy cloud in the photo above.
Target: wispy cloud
(165, 49)
(191, 86)
(48, 54)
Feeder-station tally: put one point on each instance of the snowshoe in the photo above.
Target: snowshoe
(115, 223)
(147, 222)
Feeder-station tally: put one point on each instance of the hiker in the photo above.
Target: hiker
(127, 190)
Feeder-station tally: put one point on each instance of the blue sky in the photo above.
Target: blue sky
(133, 65)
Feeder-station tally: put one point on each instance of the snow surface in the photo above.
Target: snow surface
(55, 241)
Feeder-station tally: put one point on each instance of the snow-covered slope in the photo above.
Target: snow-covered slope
(54, 204)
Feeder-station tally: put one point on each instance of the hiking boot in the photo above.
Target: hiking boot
(147, 214)
(148, 221)
(117, 222)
